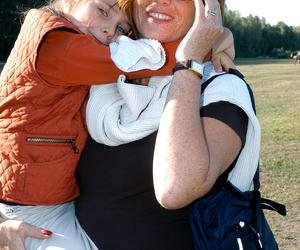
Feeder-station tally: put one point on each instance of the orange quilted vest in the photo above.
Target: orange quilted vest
(41, 126)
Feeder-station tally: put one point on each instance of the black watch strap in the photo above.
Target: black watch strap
(181, 65)
(186, 65)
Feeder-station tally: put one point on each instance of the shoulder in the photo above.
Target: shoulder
(37, 15)
(230, 88)
(227, 85)
(227, 82)
(45, 20)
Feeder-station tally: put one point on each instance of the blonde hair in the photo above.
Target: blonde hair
(53, 6)
(57, 8)
(127, 7)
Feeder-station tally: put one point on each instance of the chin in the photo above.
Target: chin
(157, 36)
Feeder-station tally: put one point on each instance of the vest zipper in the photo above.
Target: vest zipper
(72, 142)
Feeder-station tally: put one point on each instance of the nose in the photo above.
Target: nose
(109, 34)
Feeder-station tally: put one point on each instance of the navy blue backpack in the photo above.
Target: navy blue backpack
(228, 219)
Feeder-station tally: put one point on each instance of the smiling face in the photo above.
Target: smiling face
(101, 18)
(164, 20)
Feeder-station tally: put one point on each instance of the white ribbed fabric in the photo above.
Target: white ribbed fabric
(60, 219)
(120, 113)
(132, 55)
(232, 89)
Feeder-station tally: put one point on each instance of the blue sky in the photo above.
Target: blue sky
(273, 11)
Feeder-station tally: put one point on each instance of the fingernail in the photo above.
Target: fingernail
(46, 232)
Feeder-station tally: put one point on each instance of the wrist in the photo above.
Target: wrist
(193, 66)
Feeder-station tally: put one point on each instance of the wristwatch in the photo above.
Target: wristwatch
(191, 65)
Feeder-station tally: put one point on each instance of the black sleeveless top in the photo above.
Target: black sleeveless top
(117, 206)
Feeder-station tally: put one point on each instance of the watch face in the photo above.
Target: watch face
(198, 67)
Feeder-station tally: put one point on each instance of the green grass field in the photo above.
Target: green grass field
(276, 85)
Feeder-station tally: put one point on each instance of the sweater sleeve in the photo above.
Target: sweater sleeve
(67, 58)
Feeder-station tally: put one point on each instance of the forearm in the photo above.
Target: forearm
(65, 58)
(191, 152)
(1, 219)
(81, 60)
(225, 44)
(223, 52)
(181, 160)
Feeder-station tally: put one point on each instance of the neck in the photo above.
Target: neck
(141, 81)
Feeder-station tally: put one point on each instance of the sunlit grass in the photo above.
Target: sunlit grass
(276, 85)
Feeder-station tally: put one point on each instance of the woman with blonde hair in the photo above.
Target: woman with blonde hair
(158, 146)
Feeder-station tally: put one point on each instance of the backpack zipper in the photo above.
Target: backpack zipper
(72, 142)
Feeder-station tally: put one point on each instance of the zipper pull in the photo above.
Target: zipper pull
(259, 241)
(258, 236)
(74, 147)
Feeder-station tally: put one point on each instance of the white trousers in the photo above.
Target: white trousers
(59, 219)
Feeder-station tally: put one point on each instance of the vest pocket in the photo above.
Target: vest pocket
(50, 182)
(47, 148)
(72, 142)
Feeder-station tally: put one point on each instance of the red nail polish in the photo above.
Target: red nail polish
(46, 232)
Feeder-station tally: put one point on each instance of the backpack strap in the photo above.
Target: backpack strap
(272, 205)
(264, 203)
(208, 81)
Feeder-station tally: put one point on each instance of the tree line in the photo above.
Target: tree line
(252, 35)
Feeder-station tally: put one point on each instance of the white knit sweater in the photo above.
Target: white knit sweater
(112, 123)
(232, 89)
(120, 113)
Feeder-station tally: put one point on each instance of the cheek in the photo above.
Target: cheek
(188, 18)
(96, 21)
(140, 16)
(186, 13)
(144, 29)
(186, 26)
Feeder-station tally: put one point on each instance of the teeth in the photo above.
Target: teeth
(159, 16)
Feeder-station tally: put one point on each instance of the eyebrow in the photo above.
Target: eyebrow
(111, 6)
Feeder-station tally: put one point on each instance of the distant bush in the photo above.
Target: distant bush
(281, 53)
(253, 37)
